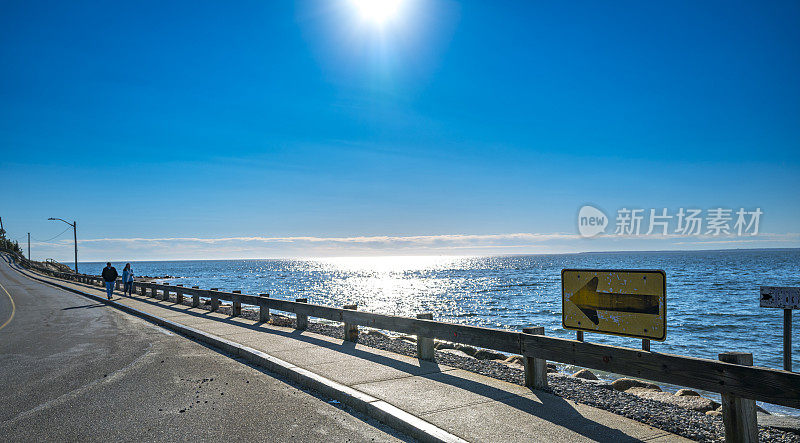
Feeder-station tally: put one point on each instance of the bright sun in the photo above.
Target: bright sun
(377, 11)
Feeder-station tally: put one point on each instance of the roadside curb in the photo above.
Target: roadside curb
(359, 401)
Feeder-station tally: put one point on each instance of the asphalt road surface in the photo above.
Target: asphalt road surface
(73, 369)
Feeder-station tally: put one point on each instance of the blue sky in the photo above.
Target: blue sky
(271, 129)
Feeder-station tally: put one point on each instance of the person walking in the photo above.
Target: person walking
(110, 276)
(127, 280)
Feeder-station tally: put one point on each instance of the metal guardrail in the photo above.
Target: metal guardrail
(734, 381)
(757, 383)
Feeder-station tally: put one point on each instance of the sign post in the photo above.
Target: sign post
(625, 302)
(787, 299)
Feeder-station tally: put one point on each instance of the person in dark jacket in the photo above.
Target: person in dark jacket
(110, 276)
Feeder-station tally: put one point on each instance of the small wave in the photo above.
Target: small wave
(504, 288)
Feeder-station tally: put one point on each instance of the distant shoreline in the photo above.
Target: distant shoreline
(664, 251)
(683, 251)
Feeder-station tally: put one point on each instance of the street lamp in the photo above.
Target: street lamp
(74, 235)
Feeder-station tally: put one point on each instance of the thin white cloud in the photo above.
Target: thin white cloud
(358, 239)
(166, 248)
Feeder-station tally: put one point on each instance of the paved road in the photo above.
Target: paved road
(73, 369)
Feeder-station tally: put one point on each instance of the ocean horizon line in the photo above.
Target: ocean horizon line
(332, 257)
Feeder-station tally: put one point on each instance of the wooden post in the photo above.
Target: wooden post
(786, 298)
(214, 300)
(166, 293)
(645, 345)
(195, 297)
(579, 336)
(302, 319)
(350, 330)
(179, 294)
(425, 344)
(787, 339)
(236, 309)
(263, 311)
(739, 414)
(535, 368)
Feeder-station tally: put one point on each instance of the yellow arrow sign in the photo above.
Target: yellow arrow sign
(589, 301)
(631, 303)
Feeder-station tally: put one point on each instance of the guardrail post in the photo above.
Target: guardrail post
(166, 292)
(236, 309)
(787, 340)
(739, 414)
(263, 311)
(425, 344)
(302, 319)
(179, 294)
(535, 368)
(195, 297)
(350, 329)
(214, 300)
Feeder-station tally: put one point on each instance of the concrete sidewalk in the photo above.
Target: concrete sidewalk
(460, 403)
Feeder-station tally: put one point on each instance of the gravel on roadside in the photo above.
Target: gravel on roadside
(668, 417)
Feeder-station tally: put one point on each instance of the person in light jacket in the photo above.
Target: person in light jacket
(110, 277)
(127, 279)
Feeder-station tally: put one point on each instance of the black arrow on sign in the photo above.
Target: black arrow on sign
(589, 301)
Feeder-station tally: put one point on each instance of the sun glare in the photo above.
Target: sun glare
(377, 12)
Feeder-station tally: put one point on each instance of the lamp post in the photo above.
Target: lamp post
(74, 235)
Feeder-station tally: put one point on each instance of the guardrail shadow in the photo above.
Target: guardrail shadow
(543, 405)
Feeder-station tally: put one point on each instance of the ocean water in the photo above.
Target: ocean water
(712, 296)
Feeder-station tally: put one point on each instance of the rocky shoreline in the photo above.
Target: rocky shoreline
(684, 413)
